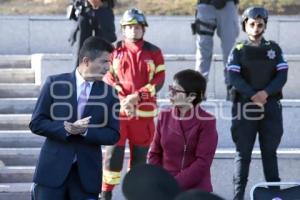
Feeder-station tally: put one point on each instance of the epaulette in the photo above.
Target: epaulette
(239, 45)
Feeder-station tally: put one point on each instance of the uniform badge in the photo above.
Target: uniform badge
(271, 54)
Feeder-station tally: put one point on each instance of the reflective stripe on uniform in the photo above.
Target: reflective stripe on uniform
(142, 113)
(112, 178)
(151, 89)
(234, 68)
(151, 65)
(115, 66)
(160, 68)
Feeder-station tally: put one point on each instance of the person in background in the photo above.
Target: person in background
(137, 72)
(70, 114)
(257, 73)
(93, 18)
(185, 136)
(220, 16)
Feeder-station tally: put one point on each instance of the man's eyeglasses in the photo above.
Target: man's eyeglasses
(174, 91)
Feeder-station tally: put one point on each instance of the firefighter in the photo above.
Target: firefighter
(137, 72)
(257, 73)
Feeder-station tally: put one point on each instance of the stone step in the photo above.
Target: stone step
(17, 105)
(15, 191)
(15, 90)
(15, 61)
(14, 121)
(220, 108)
(19, 156)
(221, 172)
(17, 75)
(291, 122)
(28, 156)
(16, 174)
(223, 168)
(216, 89)
(20, 139)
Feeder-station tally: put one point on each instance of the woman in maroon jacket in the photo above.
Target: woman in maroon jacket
(186, 138)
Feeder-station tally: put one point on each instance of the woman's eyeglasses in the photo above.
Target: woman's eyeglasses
(174, 91)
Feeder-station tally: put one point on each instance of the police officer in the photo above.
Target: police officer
(257, 72)
(220, 16)
(93, 17)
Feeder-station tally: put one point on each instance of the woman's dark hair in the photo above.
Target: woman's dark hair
(193, 83)
(93, 46)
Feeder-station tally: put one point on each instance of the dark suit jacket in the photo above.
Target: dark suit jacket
(58, 103)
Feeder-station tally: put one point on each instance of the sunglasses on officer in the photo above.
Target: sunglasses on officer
(258, 12)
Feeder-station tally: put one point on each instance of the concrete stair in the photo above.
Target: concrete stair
(19, 148)
(14, 121)
(17, 105)
(15, 191)
(23, 75)
(19, 139)
(15, 61)
(19, 156)
(18, 90)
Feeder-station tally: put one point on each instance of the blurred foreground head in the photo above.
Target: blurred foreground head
(149, 182)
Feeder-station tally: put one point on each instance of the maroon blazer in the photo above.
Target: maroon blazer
(185, 147)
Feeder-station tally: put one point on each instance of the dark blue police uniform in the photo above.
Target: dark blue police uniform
(252, 69)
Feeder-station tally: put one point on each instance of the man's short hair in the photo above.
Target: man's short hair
(93, 46)
(193, 83)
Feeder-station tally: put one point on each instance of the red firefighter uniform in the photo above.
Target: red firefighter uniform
(136, 68)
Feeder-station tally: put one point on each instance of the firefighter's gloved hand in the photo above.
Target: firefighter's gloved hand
(129, 103)
(128, 108)
(132, 99)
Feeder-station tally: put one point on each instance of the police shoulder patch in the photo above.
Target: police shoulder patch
(239, 46)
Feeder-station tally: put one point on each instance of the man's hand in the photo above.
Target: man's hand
(78, 127)
(260, 98)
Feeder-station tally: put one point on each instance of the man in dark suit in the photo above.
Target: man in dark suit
(77, 113)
